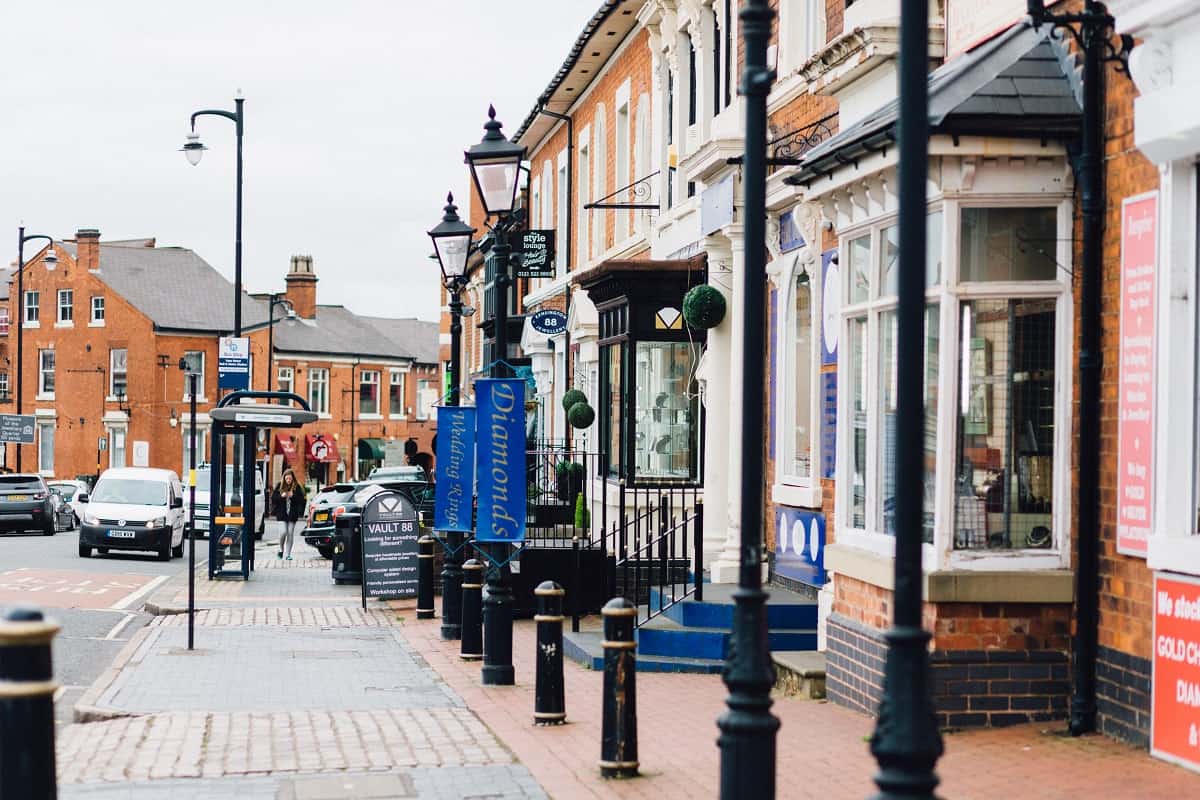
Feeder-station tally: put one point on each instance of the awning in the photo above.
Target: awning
(370, 449)
(321, 448)
(287, 448)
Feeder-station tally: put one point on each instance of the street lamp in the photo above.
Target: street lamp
(748, 728)
(495, 163)
(51, 261)
(276, 299)
(452, 246)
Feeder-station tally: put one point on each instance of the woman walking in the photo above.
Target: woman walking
(287, 506)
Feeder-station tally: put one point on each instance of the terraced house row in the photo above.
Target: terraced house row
(104, 324)
(634, 152)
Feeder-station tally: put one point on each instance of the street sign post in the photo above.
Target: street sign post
(16, 428)
(233, 363)
(389, 547)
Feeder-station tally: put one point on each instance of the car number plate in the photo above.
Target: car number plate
(16, 498)
(122, 534)
(322, 517)
(201, 524)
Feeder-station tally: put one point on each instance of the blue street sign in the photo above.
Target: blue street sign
(455, 468)
(500, 441)
(233, 363)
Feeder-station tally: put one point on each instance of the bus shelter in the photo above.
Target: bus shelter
(233, 519)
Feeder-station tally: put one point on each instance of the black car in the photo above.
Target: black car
(319, 524)
(415, 488)
(26, 504)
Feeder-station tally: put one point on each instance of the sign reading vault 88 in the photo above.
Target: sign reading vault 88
(800, 545)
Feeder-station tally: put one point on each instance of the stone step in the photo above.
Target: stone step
(785, 609)
(663, 636)
(800, 673)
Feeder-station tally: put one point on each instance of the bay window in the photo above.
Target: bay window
(994, 343)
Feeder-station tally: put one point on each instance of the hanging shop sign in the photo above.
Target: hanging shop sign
(1135, 402)
(1175, 683)
(455, 468)
(549, 321)
(831, 309)
(500, 443)
(789, 232)
(389, 547)
(233, 363)
(536, 249)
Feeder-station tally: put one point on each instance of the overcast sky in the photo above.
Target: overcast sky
(357, 113)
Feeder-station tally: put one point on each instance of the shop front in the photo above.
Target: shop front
(323, 459)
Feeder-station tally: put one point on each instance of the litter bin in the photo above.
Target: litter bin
(347, 550)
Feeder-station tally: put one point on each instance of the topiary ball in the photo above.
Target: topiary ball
(571, 397)
(703, 307)
(581, 416)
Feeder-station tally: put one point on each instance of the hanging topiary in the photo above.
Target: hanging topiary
(703, 307)
(581, 416)
(571, 397)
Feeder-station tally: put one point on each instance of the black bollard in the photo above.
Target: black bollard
(471, 648)
(27, 689)
(425, 609)
(549, 702)
(618, 742)
(452, 587)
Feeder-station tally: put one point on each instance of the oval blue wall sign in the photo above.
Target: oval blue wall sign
(549, 321)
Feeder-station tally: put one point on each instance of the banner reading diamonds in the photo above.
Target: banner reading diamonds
(455, 468)
(500, 427)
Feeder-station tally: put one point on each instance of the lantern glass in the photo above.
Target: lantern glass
(497, 182)
(452, 252)
(193, 149)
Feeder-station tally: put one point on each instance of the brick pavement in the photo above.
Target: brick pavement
(822, 751)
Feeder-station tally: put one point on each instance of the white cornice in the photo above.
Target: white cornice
(857, 52)
(709, 162)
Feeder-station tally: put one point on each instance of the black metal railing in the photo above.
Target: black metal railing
(565, 502)
(789, 148)
(637, 196)
(660, 556)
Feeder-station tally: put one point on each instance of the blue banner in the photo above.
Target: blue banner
(455, 468)
(501, 452)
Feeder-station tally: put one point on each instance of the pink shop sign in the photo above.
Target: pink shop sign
(1135, 404)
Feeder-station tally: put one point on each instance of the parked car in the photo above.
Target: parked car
(70, 493)
(319, 522)
(26, 504)
(203, 487)
(411, 472)
(134, 508)
(418, 490)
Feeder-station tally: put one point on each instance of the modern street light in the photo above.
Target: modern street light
(51, 261)
(194, 151)
(452, 246)
(495, 163)
(748, 728)
(906, 742)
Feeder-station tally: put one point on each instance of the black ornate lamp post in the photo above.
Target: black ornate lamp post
(906, 742)
(50, 260)
(276, 300)
(748, 728)
(452, 245)
(495, 163)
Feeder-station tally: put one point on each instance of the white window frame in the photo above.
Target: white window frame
(417, 412)
(31, 312)
(949, 295)
(200, 381)
(370, 376)
(321, 408)
(794, 490)
(562, 212)
(643, 148)
(121, 432)
(392, 376)
(600, 180)
(584, 191)
(623, 146)
(97, 304)
(4, 387)
(202, 433)
(285, 375)
(112, 372)
(801, 32)
(67, 320)
(42, 372)
(43, 425)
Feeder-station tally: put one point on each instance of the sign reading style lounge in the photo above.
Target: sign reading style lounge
(455, 468)
(536, 249)
(500, 438)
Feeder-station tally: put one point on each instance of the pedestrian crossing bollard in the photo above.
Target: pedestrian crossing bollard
(471, 647)
(27, 689)
(549, 703)
(618, 743)
(425, 609)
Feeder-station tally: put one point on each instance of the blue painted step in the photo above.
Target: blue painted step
(784, 609)
(666, 637)
(585, 649)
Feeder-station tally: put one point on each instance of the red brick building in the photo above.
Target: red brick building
(103, 333)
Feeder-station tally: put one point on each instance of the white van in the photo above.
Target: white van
(134, 508)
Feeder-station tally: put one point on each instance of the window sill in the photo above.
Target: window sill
(64, 324)
(96, 323)
(401, 417)
(957, 586)
(1174, 554)
(362, 417)
(796, 496)
(186, 399)
(324, 415)
(31, 325)
(40, 397)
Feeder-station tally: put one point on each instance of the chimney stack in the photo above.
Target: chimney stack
(87, 242)
(302, 287)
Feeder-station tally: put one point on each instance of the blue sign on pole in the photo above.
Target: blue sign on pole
(233, 363)
(455, 468)
(500, 442)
